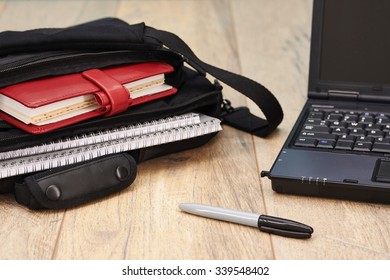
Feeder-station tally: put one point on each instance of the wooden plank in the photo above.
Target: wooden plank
(23, 15)
(27, 234)
(2, 6)
(343, 229)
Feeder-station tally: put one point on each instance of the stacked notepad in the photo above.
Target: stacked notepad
(92, 145)
(42, 105)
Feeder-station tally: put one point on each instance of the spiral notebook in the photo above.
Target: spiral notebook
(100, 143)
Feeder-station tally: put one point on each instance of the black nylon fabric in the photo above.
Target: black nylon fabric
(102, 34)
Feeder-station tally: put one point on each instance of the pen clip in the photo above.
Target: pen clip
(284, 227)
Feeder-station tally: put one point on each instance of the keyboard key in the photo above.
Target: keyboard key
(366, 120)
(375, 133)
(381, 116)
(386, 128)
(382, 140)
(344, 145)
(383, 121)
(326, 143)
(316, 115)
(318, 135)
(340, 131)
(362, 146)
(366, 115)
(365, 139)
(337, 124)
(334, 117)
(349, 138)
(306, 142)
(381, 148)
(350, 118)
(355, 125)
(372, 126)
(317, 128)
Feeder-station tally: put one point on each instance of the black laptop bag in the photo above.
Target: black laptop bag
(38, 53)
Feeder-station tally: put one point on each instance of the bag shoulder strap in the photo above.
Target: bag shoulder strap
(240, 118)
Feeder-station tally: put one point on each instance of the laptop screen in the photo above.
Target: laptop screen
(352, 42)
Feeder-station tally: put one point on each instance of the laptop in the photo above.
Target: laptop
(340, 145)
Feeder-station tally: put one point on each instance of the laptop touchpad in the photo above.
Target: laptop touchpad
(382, 171)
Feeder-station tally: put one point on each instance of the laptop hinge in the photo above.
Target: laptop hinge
(343, 95)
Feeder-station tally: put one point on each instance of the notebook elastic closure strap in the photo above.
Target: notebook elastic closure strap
(116, 93)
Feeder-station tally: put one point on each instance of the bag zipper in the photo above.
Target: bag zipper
(67, 62)
(30, 60)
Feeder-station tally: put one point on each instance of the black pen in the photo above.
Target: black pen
(265, 223)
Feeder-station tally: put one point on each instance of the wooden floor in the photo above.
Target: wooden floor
(265, 40)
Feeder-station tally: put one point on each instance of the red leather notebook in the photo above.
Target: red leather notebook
(46, 104)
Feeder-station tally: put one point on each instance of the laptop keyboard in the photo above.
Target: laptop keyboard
(345, 130)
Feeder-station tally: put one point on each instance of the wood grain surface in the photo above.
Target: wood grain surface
(267, 41)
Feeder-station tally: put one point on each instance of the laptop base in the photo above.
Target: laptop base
(302, 172)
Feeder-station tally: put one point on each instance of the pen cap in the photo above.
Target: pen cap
(284, 227)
